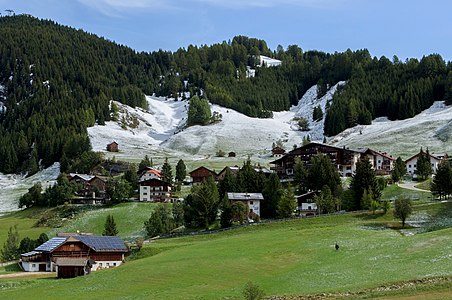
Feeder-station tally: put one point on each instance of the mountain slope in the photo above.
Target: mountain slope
(430, 129)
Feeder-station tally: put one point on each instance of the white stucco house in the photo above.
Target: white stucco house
(252, 200)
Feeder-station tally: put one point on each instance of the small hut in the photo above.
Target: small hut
(112, 147)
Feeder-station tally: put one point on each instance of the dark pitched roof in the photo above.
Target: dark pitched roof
(103, 243)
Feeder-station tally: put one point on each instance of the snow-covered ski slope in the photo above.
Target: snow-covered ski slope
(13, 186)
(431, 128)
(161, 130)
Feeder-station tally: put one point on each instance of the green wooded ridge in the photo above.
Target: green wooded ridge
(58, 81)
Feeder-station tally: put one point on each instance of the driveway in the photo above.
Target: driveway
(26, 274)
(410, 185)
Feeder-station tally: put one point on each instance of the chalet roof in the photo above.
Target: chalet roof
(245, 196)
(152, 171)
(375, 152)
(293, 152)
(417, 154)
(202, 167)
(85, 177)
(103, 243)
(97, 243)
(51, 244)
(31, 253)
(71, 261)
(114, 142)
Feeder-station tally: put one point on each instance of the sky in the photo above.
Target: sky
(406, 28)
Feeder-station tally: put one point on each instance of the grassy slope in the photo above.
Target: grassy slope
(129, 219)
(25, 221)
(293, 257)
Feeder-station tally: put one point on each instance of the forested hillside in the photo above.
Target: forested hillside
(56, 81)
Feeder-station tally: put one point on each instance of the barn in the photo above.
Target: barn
(74, 254)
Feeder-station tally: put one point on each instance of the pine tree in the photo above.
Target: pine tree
(181, 171)
(10, 249)
(167, 175)
(365, 182)
(110, 227)
(442, 182)
(144, 163)
(287, 204)
(399, 170)
(272, 194)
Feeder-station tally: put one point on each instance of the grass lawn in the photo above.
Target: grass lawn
(424, 185)
(294, 257)
(25, 221)
(391, 192)
(129, 219)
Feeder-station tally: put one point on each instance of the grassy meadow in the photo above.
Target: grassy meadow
(295, 257)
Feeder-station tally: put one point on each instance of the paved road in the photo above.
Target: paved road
(410, 185)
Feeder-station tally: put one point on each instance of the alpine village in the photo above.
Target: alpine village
(223, 171)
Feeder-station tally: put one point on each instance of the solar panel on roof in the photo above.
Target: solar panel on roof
(103, 243)
(51, 244)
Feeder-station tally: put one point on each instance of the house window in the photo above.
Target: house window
(144, 194)
(309, 207)
(379, 161)
(433, 165)
(108, 264)
(114, 264)
(33, 265)
(409, 166)
(415, 166)
(251, 202)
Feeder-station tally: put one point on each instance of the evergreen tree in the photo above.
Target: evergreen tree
(325, 201)
(301, 176)
(317, 114)
(399, 170)
(227, 185)
(167, 175)
(198, 112)
(322, 172)
(118, 190)
(287, 204)
(424, 167)
(442, 182)
(181, 171)
(144, 163)
(178, 213)
(364, 181)
(160, 222)
(10, 249)
(226, 213)
(110, 226)
(272, 194)
(201, 206)
(27, 245)
(131, 177)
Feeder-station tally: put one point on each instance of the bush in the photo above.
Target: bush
(253, 292)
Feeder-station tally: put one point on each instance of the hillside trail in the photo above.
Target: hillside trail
(25, 274)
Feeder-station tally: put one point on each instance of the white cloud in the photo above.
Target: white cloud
(117, 7)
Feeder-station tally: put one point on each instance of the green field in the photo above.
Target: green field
(294, 257)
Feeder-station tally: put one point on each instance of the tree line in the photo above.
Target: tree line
(58, 81)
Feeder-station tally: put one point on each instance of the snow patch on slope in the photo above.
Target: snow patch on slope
(13, 186)
(161, 130)
(305, 109)
(431, 128)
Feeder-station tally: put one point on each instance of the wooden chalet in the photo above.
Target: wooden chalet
(113, 147)
(278, 152)
(344, 159)
(231, 154)
(381, 162)
(234, 170)
(75, 255)
(90, 185)
(155, 190)
(150, 173)
(201, 174)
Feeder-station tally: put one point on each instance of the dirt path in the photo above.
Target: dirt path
(26, 274)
